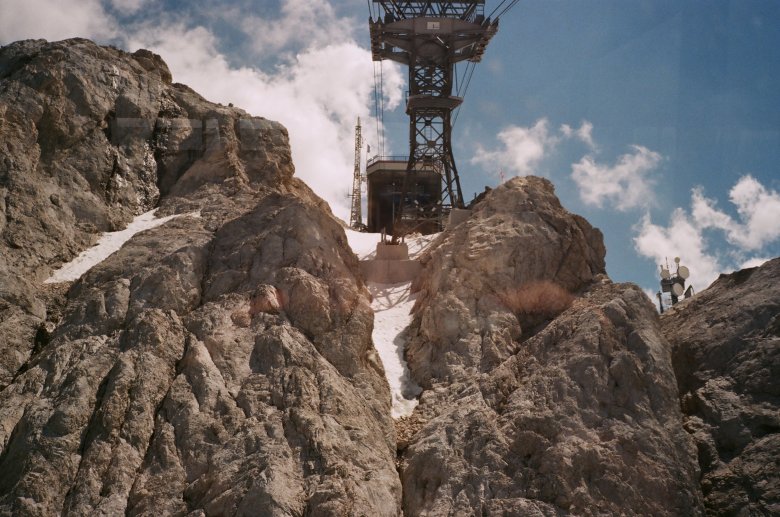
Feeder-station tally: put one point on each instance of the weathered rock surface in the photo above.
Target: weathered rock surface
(222, 364)
(726, 349)
(476, 273)
(68, 166)
(549, 390)
(219, 364)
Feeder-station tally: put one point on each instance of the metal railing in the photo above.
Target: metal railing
(377, 158)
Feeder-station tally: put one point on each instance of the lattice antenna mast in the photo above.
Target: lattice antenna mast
(356, 215)
(430, 37)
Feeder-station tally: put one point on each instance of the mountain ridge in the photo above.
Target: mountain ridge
(222, 363)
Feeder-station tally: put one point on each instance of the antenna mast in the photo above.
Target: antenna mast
(356, 216)
(674, 284)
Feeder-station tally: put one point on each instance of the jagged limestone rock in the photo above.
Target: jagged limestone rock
(469, 306)
(68, 169)
(219, 364)
(549, 390)
(726, 349)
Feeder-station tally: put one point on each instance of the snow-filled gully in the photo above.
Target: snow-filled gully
(392, 305)
(109, 243)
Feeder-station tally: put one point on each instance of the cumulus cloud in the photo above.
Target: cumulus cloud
(128, 7)
(521, 149)
(758, 212)
(650, 294)
(54, 20)
(758, 209)
(584, 133)
(307, 23)
(625, 185)
(682, 238)
(754, 262)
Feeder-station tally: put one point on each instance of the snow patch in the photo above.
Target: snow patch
(109, 243)
(392, 305)
(418, 244)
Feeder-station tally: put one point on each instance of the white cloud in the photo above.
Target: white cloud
(754, 262)
(758, 210)
(317, 96)
(625, 185)
(310, 23)
(54, 20)
(521, 150)
(128, 7)
(651, 295)
(682, 238)
(584, 133)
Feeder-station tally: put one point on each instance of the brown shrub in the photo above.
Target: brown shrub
(540, 300)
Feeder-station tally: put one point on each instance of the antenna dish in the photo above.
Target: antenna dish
(676, 260)
(677, 289)
(665, 274)
(683, 272)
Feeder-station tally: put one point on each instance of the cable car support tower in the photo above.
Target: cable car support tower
(430, 38)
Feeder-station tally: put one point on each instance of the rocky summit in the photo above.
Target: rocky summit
(219, 364)
(550, 389)
(222, 363)
(726, 355)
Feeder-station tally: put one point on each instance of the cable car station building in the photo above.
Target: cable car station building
(385, 177)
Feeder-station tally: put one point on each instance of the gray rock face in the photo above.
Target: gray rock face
(517, 246)
(222, 364)
(549, 390)
(218, 364)
(727, 359)
(68, 168)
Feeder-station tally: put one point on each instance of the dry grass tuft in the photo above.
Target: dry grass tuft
(541, 300)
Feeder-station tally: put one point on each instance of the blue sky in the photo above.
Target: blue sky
(659, 121)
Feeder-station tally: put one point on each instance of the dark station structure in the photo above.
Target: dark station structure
(415, 193)
(386, 176)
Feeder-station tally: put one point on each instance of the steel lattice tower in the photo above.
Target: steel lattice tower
(356, 215)
(430, 37)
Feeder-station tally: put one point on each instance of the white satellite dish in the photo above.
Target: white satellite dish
(677, 289)
(683, 272)
(665, 274)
